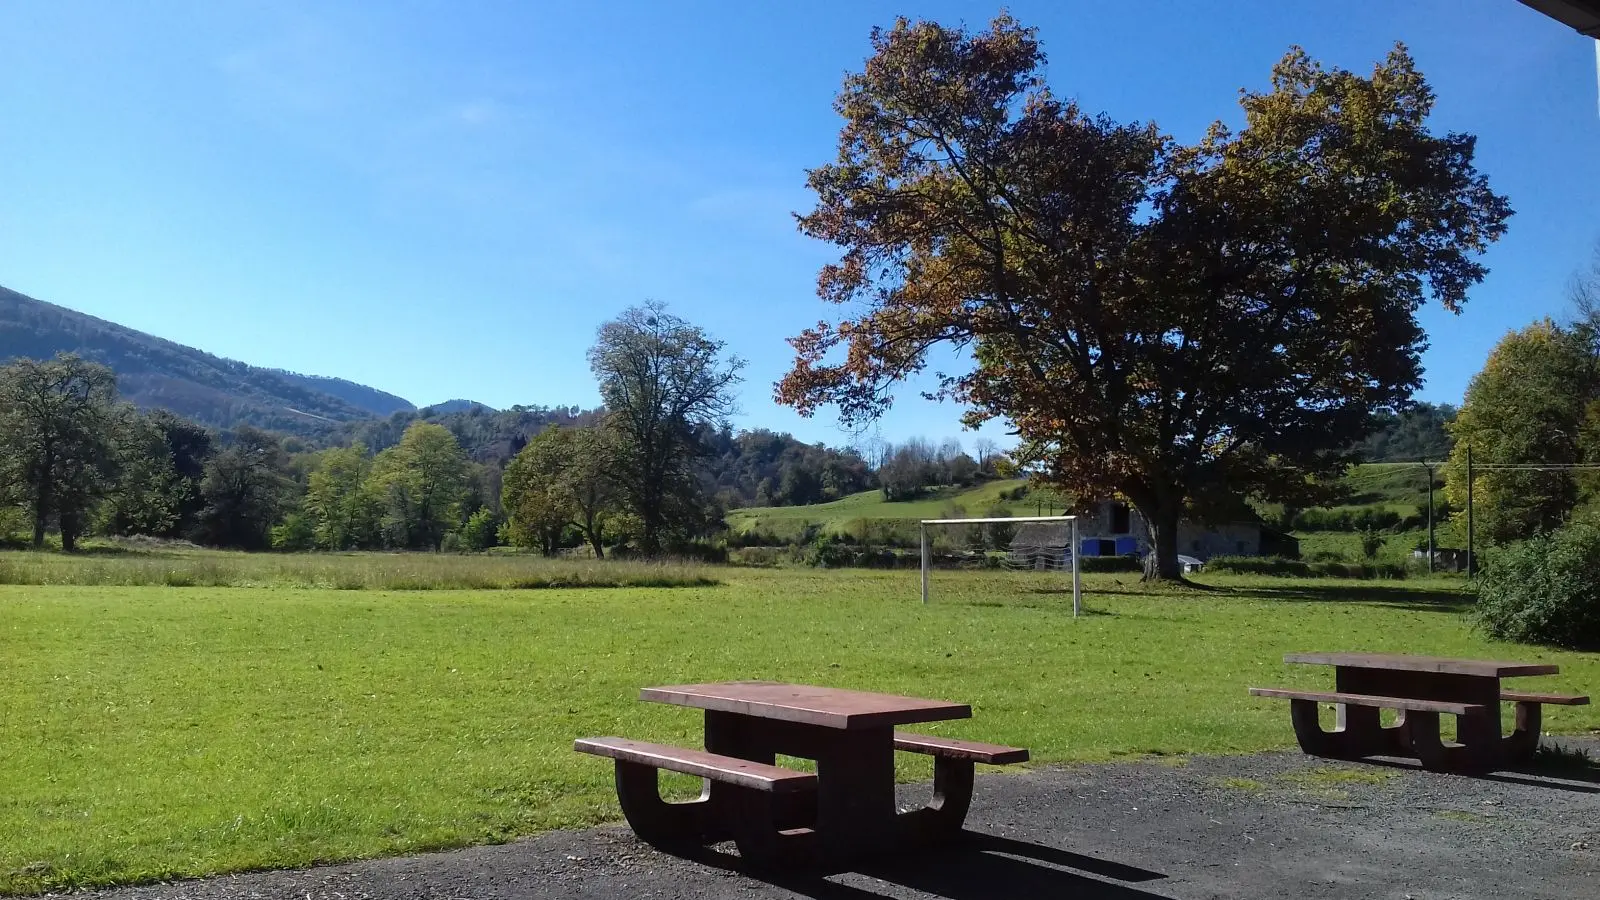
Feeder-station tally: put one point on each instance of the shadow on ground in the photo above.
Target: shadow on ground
(978, 867)
(1388, 596)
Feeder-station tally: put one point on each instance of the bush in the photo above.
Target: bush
(1294, 568)
(1545, 590)
(482, 530)
(1110, 564)
(1258, 565)
(295, 535)
(1366, 518)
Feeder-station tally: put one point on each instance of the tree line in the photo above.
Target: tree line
(653, 470)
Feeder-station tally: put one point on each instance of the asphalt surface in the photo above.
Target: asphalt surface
(1275, 825)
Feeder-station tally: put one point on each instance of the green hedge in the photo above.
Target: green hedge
(1545, 590)
(1110, 564)
(1294, 568)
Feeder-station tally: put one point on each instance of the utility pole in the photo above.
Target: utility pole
(1472, 560)
(1429, 468)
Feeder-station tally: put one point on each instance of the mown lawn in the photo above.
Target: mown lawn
(150, 732)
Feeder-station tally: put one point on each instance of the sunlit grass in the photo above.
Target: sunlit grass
(148, 732)
(340, 571)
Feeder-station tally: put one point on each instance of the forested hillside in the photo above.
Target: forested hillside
(157, 373)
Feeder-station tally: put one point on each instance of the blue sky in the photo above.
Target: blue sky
(445, 199)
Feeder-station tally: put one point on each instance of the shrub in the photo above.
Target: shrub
(1545, 590)
(296, 534)
(482, 530)
(1357, 570)
(1110, 564)
(1258, 565)
(1294, 568)
(829, 552)
(1371, 542)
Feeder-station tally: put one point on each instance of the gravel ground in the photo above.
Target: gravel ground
(1273, 825)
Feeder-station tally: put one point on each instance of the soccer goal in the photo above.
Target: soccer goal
(1037, 543)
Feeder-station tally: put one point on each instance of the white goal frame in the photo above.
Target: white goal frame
(927, 549)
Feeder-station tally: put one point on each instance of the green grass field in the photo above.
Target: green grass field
(152, 732)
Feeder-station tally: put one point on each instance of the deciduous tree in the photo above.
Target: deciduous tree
(58, 428)
(246, 489)
(662, 379)
(1175, 324)
(422, 481)
(1531, 403)
(343, 507)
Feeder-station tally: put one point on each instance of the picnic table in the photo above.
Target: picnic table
(845, 810)
(1421, 689)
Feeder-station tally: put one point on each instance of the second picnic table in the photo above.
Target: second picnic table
(1421, 688)
(846, 810)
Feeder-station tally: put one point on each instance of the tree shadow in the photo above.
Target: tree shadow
(1388, 596)
(1556, 778)
(976, 867)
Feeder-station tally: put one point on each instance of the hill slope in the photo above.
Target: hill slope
(957, 502)
(153, 372)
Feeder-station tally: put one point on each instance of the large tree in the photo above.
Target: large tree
(1177, 324)
(422, 482)
(59, 424)
(1531, 403)
(345, 509)
(537, 502)
(246, 489)
(663, 380)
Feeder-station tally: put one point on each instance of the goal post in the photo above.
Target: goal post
(1072, 549)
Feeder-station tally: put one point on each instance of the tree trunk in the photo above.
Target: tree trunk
(40, 521)
(594, 541)
(69, 533)
(1161, 520)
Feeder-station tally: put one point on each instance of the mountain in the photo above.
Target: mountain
(451, 406)
(153, 372)
(374, 401)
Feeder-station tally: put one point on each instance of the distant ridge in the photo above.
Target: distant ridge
(451, 406)
(156, 373)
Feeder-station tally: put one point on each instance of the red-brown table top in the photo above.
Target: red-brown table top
(808, 704)
(1482, 668)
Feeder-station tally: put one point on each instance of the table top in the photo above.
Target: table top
(808, 704)
(1482, 668)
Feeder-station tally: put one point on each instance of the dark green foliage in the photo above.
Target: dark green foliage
(766, 468)
(486, 435)
(1545, 590)
(1293, 568)
(1534, 401)
(247, 490)
(1371, 542)
(1417, 433)
(665, 382)
(482, 530)
(1110, 564)
(1363, 519)
(59, 428)
(295, 534)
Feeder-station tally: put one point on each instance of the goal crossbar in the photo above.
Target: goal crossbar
(999, 519)
(1073, 548)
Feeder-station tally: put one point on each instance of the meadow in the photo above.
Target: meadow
(152, 732)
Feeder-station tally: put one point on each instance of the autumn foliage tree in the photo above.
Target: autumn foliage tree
(1177, 324)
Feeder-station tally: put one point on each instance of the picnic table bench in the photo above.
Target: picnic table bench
(1421, 688)
(773, 814)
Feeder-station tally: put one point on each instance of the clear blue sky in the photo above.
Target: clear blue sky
(444, 199)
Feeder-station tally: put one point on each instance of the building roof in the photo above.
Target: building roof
(1042, 534)
(1582, 15)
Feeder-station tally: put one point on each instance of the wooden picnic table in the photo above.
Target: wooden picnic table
(1421, 688)
(845, 811)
